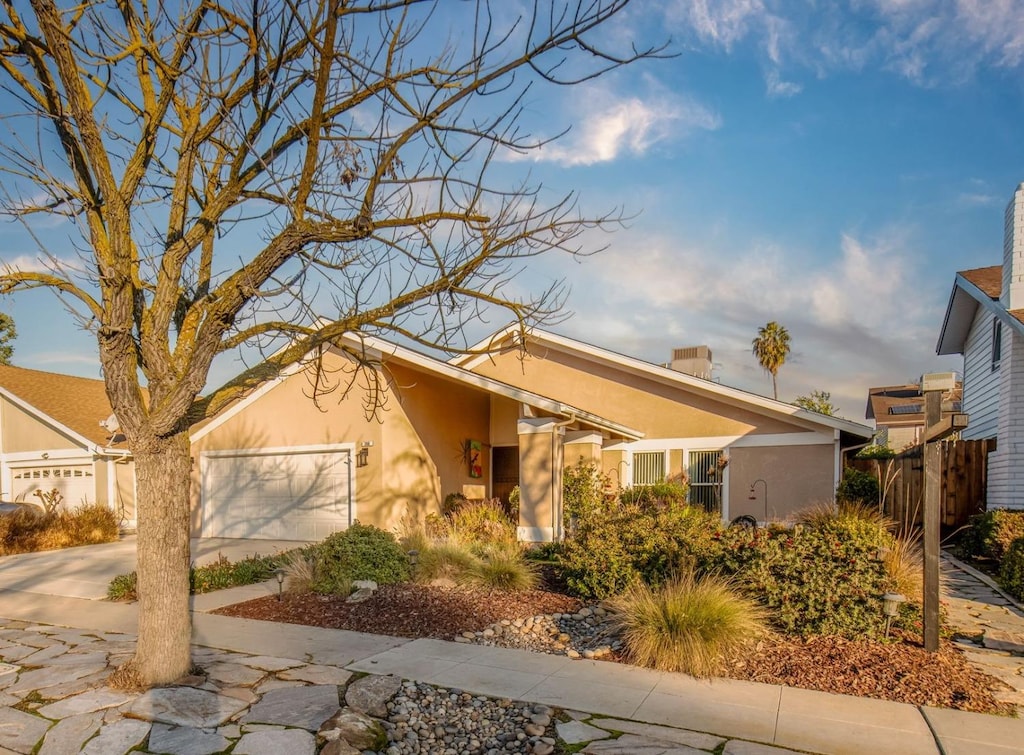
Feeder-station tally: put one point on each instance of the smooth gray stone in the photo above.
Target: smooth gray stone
(19, 731)
(118, 738)
(184, 740)
(269, 663)
(303, 707)
(70, 734)
(371, 693)
(317, 674)
(576, 732)
(666, 733)
(630, 744)
(290, 741)
(186, 706)
(87, 702)
(51, 676)
(233, 674)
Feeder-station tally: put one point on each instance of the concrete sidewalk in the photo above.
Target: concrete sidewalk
(805, 720)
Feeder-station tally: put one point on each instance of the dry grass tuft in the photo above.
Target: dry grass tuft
(300, 574)
(502, 569)
(27, 531)
(692, 625)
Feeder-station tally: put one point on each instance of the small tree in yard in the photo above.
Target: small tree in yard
(240, 172)
(7, 334)
(817, 401)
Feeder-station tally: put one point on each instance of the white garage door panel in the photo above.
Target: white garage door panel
(75, 482)
(294, 496)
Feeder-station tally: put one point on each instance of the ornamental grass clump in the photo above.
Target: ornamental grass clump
(689, 624)
(481, 523)
(444, 559)
(502, 569)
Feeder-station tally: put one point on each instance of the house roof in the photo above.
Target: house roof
(628, 364)
(72, 405)
(978, 287)
(378, 348)
(904, 404)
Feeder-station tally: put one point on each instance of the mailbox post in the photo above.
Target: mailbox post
(935, 429)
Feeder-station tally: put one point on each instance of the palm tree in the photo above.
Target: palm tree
(771, 347)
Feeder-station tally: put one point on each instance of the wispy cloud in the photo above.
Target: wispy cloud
(776, 87)
(24, 263)
(608, 125)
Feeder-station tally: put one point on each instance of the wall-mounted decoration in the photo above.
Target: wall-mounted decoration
(476, 465)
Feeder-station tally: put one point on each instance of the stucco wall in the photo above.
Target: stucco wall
(796, 477)
(23, 432)
(659, 410)
(416, 452)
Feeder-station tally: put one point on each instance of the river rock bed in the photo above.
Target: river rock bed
(590, 632)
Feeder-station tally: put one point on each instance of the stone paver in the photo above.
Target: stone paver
(19, 732)
(185, 706)
(70, 734)
(87, 702)
(370, 694)
(117, 738)
(291, 741)
(185, 740)
(316, 675)
(304, 707)
(679, 736)
(576, 732)
(631, 744)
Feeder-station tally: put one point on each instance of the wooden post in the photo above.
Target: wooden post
(932, 492)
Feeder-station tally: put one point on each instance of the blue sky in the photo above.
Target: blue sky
(826, 165)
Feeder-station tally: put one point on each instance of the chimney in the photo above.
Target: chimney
(1012, 296)
(693, 360)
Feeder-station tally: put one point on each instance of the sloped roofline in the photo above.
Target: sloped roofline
(60, 427)
(379, 348)
(481, 352)
(964, 300)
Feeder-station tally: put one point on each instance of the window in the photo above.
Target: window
(997, 344)
(648, 467)
(706, 470)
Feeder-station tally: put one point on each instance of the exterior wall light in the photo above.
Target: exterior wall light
(363, 457)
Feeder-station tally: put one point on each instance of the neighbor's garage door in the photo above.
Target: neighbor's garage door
(284, 496)
(76, 483)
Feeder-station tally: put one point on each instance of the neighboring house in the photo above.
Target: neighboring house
(898, 412)
(725, 441)
(984, 323)
(51, 437)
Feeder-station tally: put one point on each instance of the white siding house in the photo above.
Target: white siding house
(985, 322)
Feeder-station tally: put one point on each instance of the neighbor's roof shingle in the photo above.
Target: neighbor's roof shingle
(80, 404)
(988, 279)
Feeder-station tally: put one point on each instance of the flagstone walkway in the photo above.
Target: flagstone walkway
(990, 625)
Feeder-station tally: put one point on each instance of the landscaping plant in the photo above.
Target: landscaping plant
(502, 569)
(482, 523)
(991, 534)
(360, 552)
(690, 624)
(219, 575)
(27, 531)
(1011, 571)
(857, 487)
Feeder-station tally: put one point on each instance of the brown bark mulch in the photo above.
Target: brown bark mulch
(901, 671)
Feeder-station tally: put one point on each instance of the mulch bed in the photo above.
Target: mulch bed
(901, 671)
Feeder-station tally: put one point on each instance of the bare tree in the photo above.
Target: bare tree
(244, 171)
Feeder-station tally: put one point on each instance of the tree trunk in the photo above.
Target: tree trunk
(163, 469)
(775, 388)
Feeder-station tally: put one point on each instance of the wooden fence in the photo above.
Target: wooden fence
(964, 465)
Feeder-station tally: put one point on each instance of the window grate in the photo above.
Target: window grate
(706, 470)
(648, 467)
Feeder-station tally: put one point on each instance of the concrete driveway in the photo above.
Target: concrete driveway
(85, 571)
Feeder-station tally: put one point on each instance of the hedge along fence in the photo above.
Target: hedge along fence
(964, 465)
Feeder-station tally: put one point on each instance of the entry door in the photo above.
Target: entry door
(504, 471)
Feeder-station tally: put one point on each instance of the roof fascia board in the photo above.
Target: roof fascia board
(48, 420)
(994, 306)
(736, 396)
(490, 385)
(950, 319)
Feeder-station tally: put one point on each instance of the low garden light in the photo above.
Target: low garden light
(891, 607)
(279, 573)
(414, 557)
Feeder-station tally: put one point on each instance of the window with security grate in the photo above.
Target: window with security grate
(706, 471)
(648, 467)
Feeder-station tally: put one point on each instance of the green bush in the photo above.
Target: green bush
(857, 487)
(583, 490)
(360, 552)
(219, 575)
(481, 523)
(453, 502)
(689, 624)
(875, 452)
(821, 579)
(669, 493)
(991, 534)
(1011, 573)
(502, 569)
(612, 547)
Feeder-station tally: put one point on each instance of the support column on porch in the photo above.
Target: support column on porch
(540, 479)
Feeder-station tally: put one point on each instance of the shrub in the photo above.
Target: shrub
(1011, 573)
(444, 560)
(360, 552)
(875, 452)
(502, 569)
(453, 502)
(613, 547)
(688, 624)
(823, 579)
(668, 493)
(481, 523)
(991, 534)
(219, 575)
(857, 487)
(28, 531)
(583, 490)
(123, 587)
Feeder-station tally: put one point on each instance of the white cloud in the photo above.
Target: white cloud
(25, 263)
(608, 125)
(776, 87)
(859, 315)
(721, 22)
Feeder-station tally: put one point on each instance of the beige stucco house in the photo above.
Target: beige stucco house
(280, 465)
(741, 453)
(53, 436)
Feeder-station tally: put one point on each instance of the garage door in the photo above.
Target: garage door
(76, 483)
(281, 496)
